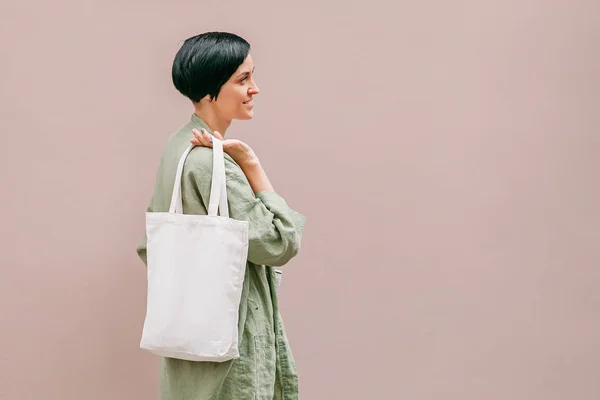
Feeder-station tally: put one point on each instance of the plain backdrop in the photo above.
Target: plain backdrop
(446, 155)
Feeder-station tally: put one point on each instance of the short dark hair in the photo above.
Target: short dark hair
(206, 61)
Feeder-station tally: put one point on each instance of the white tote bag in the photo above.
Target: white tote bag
(196, 267)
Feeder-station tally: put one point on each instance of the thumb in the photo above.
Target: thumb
(218, 135)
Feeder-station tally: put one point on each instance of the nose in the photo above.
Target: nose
(253, 89)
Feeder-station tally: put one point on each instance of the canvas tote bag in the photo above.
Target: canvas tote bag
(196, 267)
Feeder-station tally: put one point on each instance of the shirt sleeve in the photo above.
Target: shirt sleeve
(275, 230)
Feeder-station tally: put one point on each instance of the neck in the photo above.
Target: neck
(214, 122)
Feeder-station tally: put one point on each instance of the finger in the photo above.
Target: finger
(218, 135)
(206, 137)
(196, 134)
(197, 139)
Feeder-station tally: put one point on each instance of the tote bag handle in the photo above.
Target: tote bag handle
(218, 188)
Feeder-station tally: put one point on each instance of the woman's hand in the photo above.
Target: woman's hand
(238, 150)
(242, 154)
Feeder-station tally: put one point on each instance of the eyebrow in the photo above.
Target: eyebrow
(245, 73)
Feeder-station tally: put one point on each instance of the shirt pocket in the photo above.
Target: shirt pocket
(257, 323)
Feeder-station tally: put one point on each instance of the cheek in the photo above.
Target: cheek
(231, 98)
(241, 93)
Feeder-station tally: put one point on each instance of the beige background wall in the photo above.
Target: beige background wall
(446, 155)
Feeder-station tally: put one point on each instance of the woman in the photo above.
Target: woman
(215, 71)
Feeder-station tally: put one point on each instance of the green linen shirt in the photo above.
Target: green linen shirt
(265, 369)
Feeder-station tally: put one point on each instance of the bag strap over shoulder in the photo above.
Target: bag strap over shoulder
(218, 188)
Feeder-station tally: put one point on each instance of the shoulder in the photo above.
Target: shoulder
(200, 160)
(200, 157)
(199, 170)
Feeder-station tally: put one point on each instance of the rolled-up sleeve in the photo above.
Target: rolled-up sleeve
(275, 230)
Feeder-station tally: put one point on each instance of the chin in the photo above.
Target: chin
(246, 116)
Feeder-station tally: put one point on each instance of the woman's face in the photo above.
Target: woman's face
(235, 98)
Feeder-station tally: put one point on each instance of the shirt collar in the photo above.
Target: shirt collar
(199, 124)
